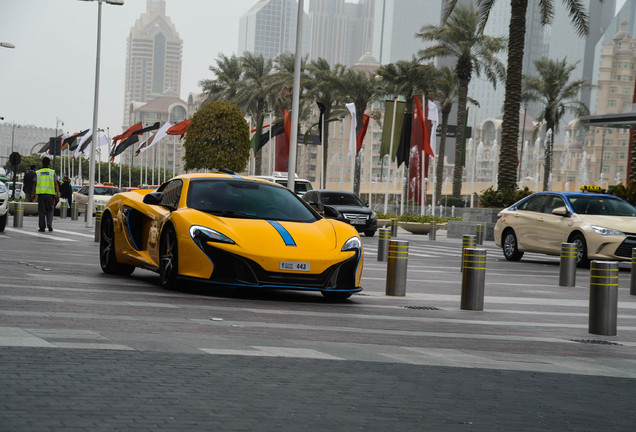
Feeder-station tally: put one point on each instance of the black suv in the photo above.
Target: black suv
(347, 206)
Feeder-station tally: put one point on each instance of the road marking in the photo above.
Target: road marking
(41, 234)
(262, 351)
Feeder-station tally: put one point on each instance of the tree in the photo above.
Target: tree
(507, 169)
(322, 87)
(228, 72)
(553, 89)
(461, 37)
(218, 137)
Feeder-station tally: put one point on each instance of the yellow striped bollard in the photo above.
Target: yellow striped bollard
(473, 279)
(603, 297)
(98, 222)
(18, 214)
(384, 235)
(567, 266)
(479, 233)
(632, 286)
(468, 241)
(396, 268)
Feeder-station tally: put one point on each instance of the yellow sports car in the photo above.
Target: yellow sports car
(603, 227)
(225, 229)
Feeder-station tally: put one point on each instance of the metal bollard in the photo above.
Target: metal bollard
(432, 231)
(384, 235)
(479, 233)
(632, 287)
(473, 279)
(86, 212)
(74, 210)
(394, 227)
(603, 297)
(567, 267)
(18, 214)
(98, 223)
(396, 268)
(63, 209)
(468, 241)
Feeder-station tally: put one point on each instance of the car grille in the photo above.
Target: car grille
(625, 249)
(232, 269)
(355, 216)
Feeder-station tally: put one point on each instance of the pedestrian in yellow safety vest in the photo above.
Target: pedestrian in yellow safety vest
(48, 192)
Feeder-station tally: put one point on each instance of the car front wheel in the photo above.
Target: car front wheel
(3, 221)
(336, 295)
(509, 246)
(169, 259)
(107, 257)
(581, 250)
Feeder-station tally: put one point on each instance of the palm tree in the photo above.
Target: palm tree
(558, 95)
(228, 75)
(359, 87)
(462, 38)
(507, 172)
(322, 87)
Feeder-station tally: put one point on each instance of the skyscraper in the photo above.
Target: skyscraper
(153, 60)
(269, 28)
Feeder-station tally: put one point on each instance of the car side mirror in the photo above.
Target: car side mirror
(560, 211)
(153, 198)
(330, 212)
(366, 204)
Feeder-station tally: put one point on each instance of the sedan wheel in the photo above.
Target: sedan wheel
(107, 257)
(581, 251)
(509, 245)
(169, 259)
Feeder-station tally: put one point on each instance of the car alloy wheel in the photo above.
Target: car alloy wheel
(107, 256)
(509, 246)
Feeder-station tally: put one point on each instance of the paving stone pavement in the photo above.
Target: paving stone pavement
(80, 350)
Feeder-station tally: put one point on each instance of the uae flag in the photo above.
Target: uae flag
(155, 138)
(392, 127)
(180, 128)
(71, 142)
(420, 150)
(282, 145)
(130, 138)
(363, 132)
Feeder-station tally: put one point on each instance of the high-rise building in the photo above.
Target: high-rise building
(340, 32)
(269, 28)
(153, 60)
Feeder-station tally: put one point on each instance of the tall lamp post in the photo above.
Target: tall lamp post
(91, 169)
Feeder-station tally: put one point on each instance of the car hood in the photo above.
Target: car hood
(351, 209)
(623, 223)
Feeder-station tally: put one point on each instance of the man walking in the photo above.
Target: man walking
(27, 183)
(48, 192)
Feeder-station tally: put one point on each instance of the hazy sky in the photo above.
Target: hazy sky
(51, 72)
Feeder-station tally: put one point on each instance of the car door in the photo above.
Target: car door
(525, 222)
(552, 229)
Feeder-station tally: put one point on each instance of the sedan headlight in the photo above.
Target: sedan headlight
(201, 233)
(606, 231)
(353, 244)
(374, 216)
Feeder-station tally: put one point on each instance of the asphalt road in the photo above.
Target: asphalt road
(81, 350)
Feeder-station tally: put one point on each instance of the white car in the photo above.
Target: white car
(101, 195)
(19, 193)
(4, 205)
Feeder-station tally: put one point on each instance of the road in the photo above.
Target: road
(81, 350)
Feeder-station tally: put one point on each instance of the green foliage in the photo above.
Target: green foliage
(218, 137)
(410, 217)
(498, 199)
(627, 193)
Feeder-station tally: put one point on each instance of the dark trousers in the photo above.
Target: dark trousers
(45, 210)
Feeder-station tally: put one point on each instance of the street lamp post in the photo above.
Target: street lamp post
(91, 169)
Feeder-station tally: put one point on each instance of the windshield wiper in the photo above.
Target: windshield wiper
(231, 213)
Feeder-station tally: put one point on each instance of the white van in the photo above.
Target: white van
(301, 186)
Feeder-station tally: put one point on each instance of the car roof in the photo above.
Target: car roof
(332, 191)
(575, 194)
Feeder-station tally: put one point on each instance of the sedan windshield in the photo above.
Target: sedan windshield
(607, 206)
(340, 198)
(247, 199)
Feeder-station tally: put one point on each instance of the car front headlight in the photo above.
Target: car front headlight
(101, 202)
(205, 234)
(353, 244)
(374, 216)
(606, 231)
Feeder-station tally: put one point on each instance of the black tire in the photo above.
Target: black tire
(107, 256)
(509, 246)
(581, 250)
(168, 259)
(3, 221)
(336, 295)
(369, 233)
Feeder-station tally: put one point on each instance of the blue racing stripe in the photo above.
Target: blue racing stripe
(238, 177)
(287, 238)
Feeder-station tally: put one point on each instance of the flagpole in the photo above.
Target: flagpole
(174, 156)
(370, 169)
(388, 168)
(293, 140)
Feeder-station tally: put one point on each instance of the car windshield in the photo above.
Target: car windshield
(247, 199)
(105, 190)
(600, 205)
(340, 198)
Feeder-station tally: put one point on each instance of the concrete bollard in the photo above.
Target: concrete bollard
(98, 223)
(394, 227)
(473, 279)
(18, 214)
(479, 233)
(603, 297)
(632, 286)
(468, 241)
(63, 208)
(567, 267)
(432, 231)
(396, 268)
(384, 235)
(74, 210)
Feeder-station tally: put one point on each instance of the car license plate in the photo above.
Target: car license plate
(358, 222)
(295, 266)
